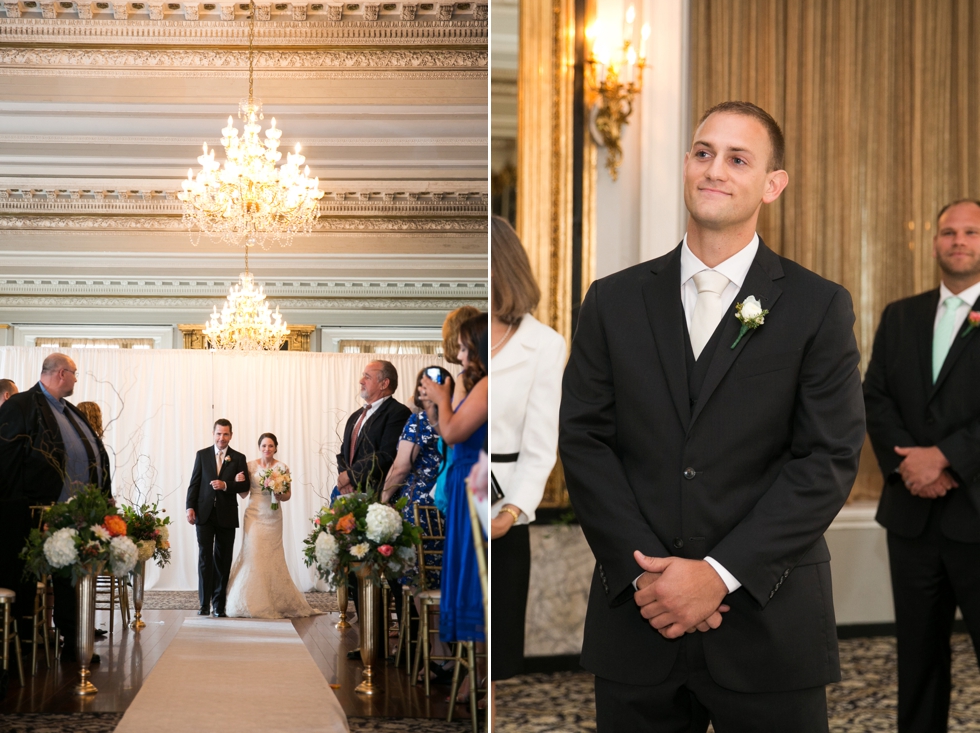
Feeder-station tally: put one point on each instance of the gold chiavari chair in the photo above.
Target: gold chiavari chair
(10, 634)
(45, 634)
(111, 591)
(429, 560)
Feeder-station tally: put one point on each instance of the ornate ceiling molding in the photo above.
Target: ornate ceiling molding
(203, 304)
(314, 142)
(176, 29)
(80, 224)
(49, 201)
(364, 15)
(339, 63)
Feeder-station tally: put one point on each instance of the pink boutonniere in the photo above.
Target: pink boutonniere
(972, 321)
(227, 459)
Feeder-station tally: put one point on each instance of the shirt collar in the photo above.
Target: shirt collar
(968, 296)
(56, 403)
(218, 450)
(735, 268)
(368, 406)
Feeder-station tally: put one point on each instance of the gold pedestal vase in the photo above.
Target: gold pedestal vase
(138, 575)
(373, 635)
(85, 639)
(342, 601)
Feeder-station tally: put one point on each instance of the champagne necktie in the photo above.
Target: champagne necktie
(942, 337)
(707, 309)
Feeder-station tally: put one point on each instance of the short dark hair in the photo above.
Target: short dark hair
(939, 216)
(224, 423)
(388, 372)
(270, 436)
(776, 140)
(7, 385)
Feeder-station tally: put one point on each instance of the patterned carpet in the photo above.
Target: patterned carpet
(863, 702)
(107, 722)
(182, 600)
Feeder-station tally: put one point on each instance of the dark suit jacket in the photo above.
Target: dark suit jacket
(906, 409)
(751, 474)
(376, 447)
(201, 497)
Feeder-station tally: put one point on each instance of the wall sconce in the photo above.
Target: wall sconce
(615, 77)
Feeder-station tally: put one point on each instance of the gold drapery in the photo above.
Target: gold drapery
(365, 346)
(880, 118)
(66, 342)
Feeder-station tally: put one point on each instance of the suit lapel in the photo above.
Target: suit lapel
(662, 297)
(923, 328)
(51, 430)
(758, 282)
(960, 342)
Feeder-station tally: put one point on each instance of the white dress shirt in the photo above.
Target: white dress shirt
(968, 296)
(735, 268)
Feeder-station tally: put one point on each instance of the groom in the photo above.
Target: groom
(705, 459)
(212, 506)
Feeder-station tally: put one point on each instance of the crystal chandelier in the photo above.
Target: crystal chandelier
(246, 323)
(249, 200)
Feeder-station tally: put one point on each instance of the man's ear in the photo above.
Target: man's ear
(776, 182)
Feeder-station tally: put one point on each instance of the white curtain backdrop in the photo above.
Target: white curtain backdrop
(159, 406)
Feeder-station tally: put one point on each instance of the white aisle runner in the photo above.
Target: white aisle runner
(235, 675)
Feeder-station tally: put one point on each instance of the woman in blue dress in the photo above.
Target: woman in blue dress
(461, 610)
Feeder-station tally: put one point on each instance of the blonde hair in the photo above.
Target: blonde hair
(93, 415)
(514, 291)
(450, 331)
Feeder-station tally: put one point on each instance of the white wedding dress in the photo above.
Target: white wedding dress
(260, 586)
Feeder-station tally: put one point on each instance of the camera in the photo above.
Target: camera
(435, 374)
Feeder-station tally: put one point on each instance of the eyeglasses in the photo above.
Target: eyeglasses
(73, 372)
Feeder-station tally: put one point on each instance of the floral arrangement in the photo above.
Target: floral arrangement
(149, 531)
(276, 481)
(357, 529)
(751, 315)
(81, 535)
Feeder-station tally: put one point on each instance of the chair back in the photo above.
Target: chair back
(479, 544)
(429, 560)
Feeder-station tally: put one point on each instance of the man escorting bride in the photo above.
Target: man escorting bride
(260, 586)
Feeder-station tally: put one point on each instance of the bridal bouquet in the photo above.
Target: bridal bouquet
(356, 529)
(80, 536)
(275, 480)
(149, 531)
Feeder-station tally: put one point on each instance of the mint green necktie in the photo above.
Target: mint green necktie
(942, 337)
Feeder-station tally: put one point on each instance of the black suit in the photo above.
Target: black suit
(32, 465)
(746, 455)
(934, 544)
(377, 444)
(217, 519)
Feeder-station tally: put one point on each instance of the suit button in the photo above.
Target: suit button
(690, 473)
(678, 543)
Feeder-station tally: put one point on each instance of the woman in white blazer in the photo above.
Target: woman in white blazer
(526, 363)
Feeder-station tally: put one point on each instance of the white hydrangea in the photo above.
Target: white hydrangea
(101, 532)
(383, 523)
(59, 548)
(164, 531)
(146, 550)
(359, 551)
(407, 554)
(122, 555)
(325, 550)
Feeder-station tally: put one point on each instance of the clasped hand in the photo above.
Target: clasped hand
(679, 596)
(924, 471)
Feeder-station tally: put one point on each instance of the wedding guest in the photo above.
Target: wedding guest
(93, 413)
(450, 342)
(526, 360)
(923, 417)
(46, 450)
(464, 429)
(7, 388)
(413, 475)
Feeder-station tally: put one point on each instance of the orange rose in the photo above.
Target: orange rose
(346, 523)
(115, 524)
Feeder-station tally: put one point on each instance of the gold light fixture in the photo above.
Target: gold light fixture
(616, 78)
(245, 323)
(249, 200)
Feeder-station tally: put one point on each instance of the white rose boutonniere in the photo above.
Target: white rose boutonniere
(750, 314)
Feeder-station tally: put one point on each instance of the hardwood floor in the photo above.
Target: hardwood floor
(128, 657)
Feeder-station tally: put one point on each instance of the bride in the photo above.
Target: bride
(260, 586)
